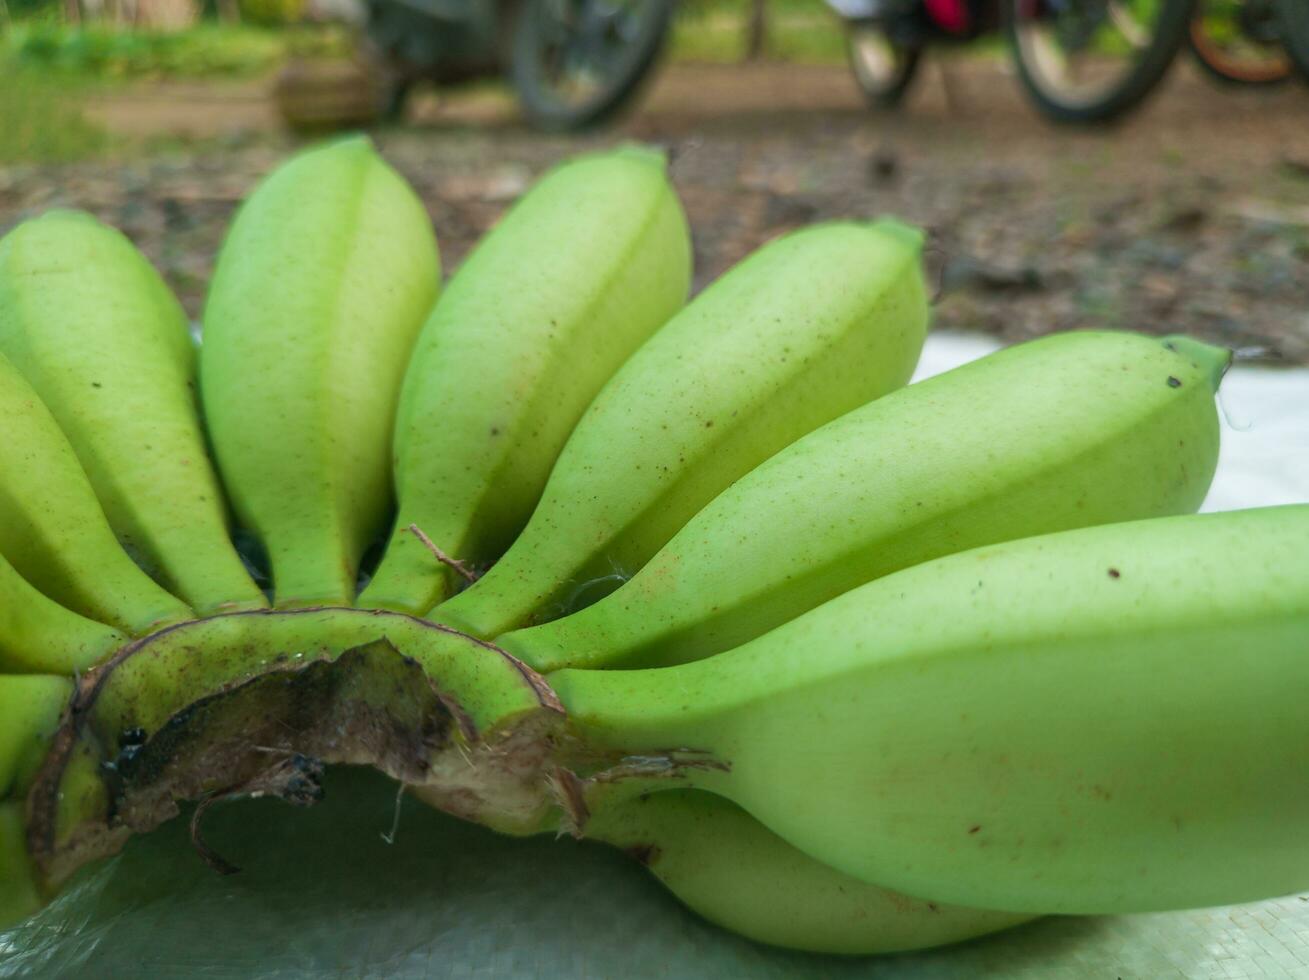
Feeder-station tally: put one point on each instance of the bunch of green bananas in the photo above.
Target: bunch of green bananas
(852, 666)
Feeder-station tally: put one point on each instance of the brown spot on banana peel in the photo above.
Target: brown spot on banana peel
(366, 702)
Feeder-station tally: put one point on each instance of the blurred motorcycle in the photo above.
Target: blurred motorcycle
(571, 63)
(1077, 60)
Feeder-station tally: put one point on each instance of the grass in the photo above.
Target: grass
(205, 51)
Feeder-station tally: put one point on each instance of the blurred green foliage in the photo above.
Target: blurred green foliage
(705, 30)
(797, 30)
(43, 120)
(23, 9)
(204, 51)
(273, 13)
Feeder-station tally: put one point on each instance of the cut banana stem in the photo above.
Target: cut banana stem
(52, 529)
(321, 287)
(809, 327)
(30, 709)
(728, 867)
(98, 334)
(37, 635)
(254, 703)
(520, 343)
(1072, 430)
(1105, 720)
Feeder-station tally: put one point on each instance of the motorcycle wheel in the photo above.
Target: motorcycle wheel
(1053, 42)
(577, 63)
(1239, 42)
(882, 69)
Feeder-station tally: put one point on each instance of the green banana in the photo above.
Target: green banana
(1103, 720)
(519, 345)
(30, 709)
(320, 289)
(809, 327)
(52, 529)
(1067, 431)
(39, 635)
(19, 894)
(736, 873)
(98, 334)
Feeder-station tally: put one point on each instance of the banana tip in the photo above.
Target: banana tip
(909, 235)
(353, 140)
(655, 156)
(1212, 359)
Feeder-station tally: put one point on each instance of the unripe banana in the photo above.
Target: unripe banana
(1067, 431)
(320, 289)
(809, 327)
(576, 276)
(732, 870)
(19, 894)
(30, 709)
(98, 334)
(39, 635)
(52, 529)
(1104, 720)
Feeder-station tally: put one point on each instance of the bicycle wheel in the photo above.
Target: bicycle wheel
(1293, 20)
(1239, 42)
(576, 63)
(882, 68)
(1092, 60)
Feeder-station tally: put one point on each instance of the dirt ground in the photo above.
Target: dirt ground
(1192, 216)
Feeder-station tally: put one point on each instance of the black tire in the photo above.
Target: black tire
(544, 108)
(1170, 32)
(391, 39)
(394, 96)
(1208, 54)
(391, 85)
(884, 90)
(1293, 19)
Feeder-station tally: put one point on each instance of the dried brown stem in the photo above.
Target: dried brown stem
(440, 555)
